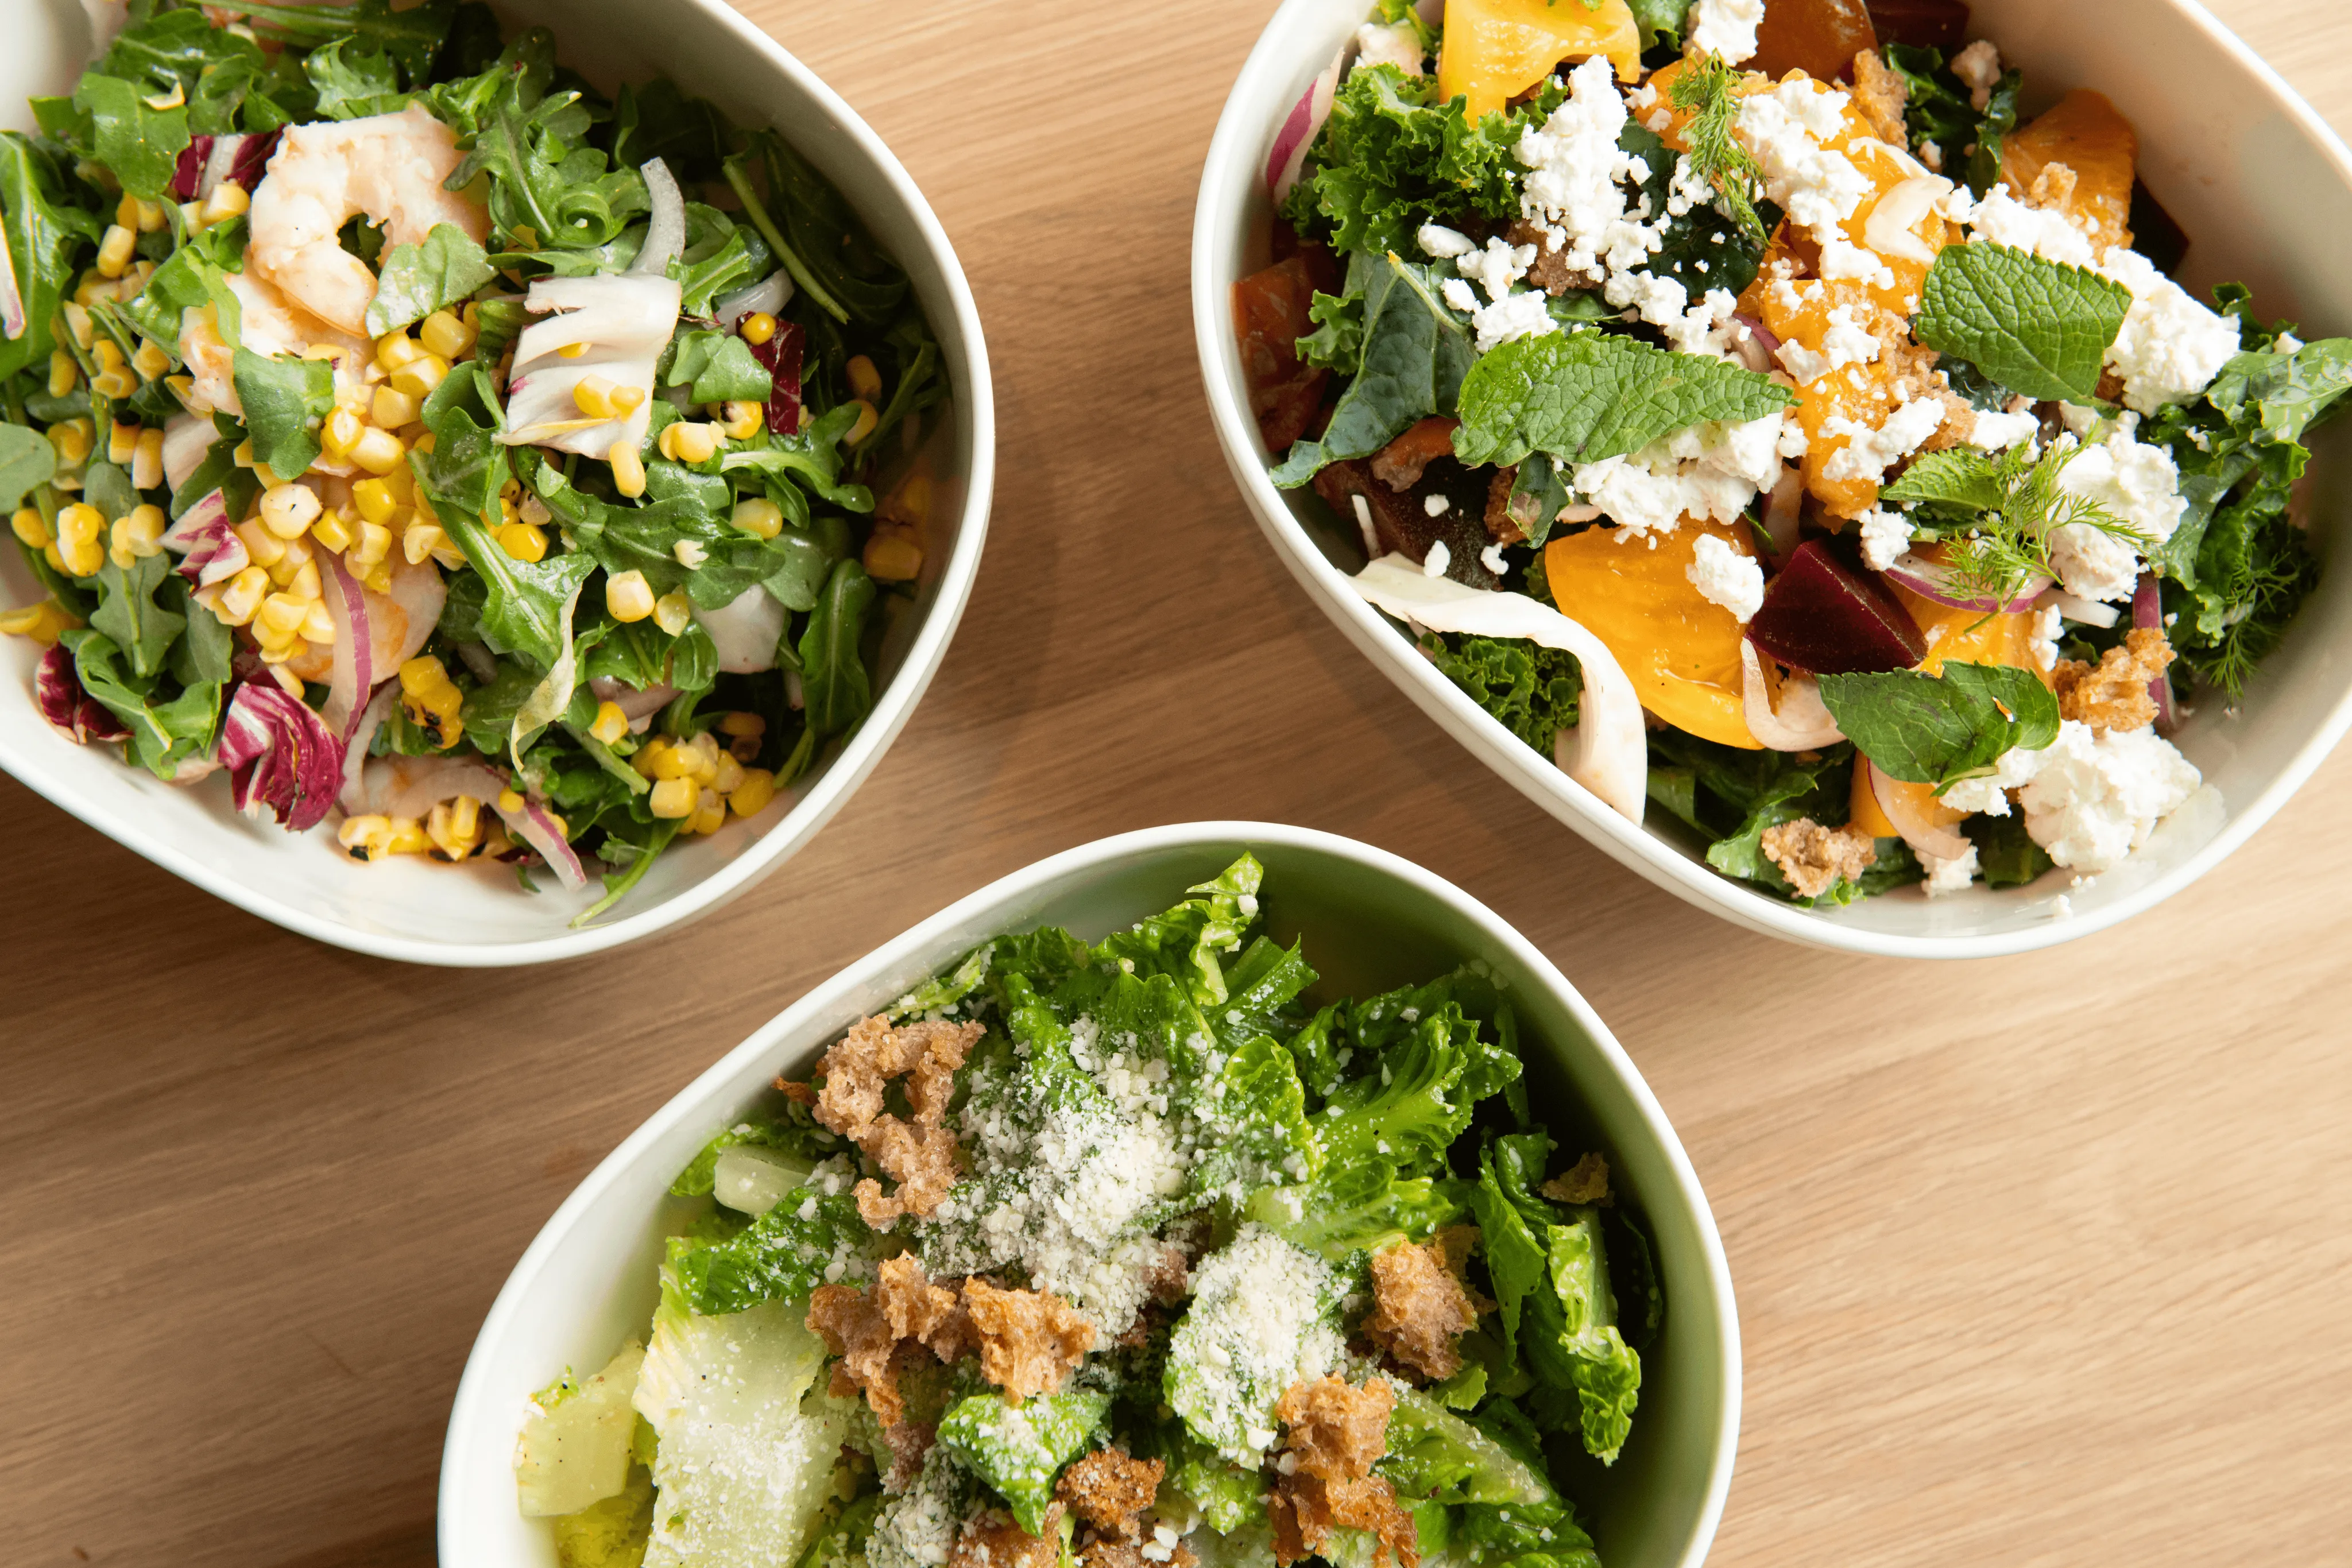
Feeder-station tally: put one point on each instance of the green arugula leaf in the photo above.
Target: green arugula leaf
(419, 279)
(2038, 326)
(835, 683)
(129, 616)
(1590, 395)
(1941, 730)
(285, 401)
(1415, 355)
(524, 602)
(194, 275)
(166, 733)
(27, 460)
(214, 66)
(206, 652)
(720, 256)
(353, 79)
(140, 144)
(731, 373)
(413, 36)
(810, 458)
(44, 234)
(660, 119)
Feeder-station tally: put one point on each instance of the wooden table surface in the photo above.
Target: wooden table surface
(2039, 1260)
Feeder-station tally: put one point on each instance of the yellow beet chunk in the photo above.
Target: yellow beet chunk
(1971, 636)
(2087, 133)
(1680, 648)
(1494, 50)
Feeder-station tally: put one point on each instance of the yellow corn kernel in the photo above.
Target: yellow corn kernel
(364, 837)
(137, 536)
(288, 510)
(147, 461)
(648, 754)
(261, 546)
(151, 217)
(686, 442)
(446, 335)
(149, 360)
(108, 355)
(375, 501)
(304, 583)
(752, 795)
(909, 504)
(121, 442)
(191, 217)
(334, 530)
(65, 374)
(282, 613)
(116, 384)
(419, 539)
(30, 528)
(522, 542)
(572, 351)
(741, 419)
(673, 612)
(182, 386)
(419, 439)
(341, 433)
(82, 324)
(709, 812)
(702, 752)
(73, 439)
(126, 211)
(893, 556)
(394, 350)
(79, 531)
(392, 408)
(676, 798)
(671, 760)
(455, 827)
(408, 837)
(629, 597)
(378, 451)
(423, 676)
(628, 475)
(728, 774)
(242, 595)
(864, 378)
(757, 328)
(759, 517)
(378, 578)
(318, 626)
(510, 800)
(626, 400)
(114, 250)
(594, 396)
(742, 724)
(420, 375)
(44, 622)
(227, 201)
(867, 420)
(371, 548)
(242, 454)
(611, 723)
(507, 511)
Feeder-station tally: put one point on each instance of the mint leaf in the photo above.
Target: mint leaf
(142, 145)
(1939, 730)
(2038, 326)
(1593, 395)
(26, 459)
(285, 400)
(1415, 355)
(1960, 477)
(419, 279)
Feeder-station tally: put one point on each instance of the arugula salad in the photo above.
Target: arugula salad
(402, 427)
(1119, 1254)
(1748, 407)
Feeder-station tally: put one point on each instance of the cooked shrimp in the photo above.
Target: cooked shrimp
(270, 323)
(400, 622)
(386, 167)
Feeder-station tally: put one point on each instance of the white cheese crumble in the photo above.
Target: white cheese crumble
(1818, 189)
(2140, 486)
(1708, 471)
(1398, 46)
(2171, 347)
(1435, 505)
(1847, 342)
(1999, 431)
(1979, 68)
(1439, 558)
(1988, 796)
(2048, 626)
(1442, 243)
(1260, 1321)
(2095, 797)
(1885, 535)
(1726, 28)
(1868, 453)
(1952, 873)
(1723, 576)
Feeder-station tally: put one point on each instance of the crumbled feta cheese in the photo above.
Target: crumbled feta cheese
(1885, 535)
(2096, 796)
(1709, 471)
(1999, 431)
(1435, 505)
(1515, 316)
(1932, 155)
(2049, 625)
(1723, 576)
(1493, 560)
(1870, 453)
(1398, 46)
(1818, 189)
(1497, 266)
(2002, 219)
(1951, 874)
(2171, 347)
(1842, 258)
(1846, 342)
(1442, 243)
(1706, 328)
(2141, 486)
(1989, 794)
(1726, 28)
(1437, 561)
(1979, 68)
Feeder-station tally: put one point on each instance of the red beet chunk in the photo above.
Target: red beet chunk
(1828, 614)
(1400, 518)
(780, 354)
(1923, 23)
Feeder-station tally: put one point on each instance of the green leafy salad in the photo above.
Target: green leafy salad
(411, 431)
(1124, 1253)
(1784, 435)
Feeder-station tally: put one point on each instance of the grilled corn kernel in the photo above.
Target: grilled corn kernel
(150, 361)
(709, 812)
(611, 724)
(728, 773)
(147, 461)
(378, 578)
(243, 595)
(126, 211)
(73, 439)
(742, 724)
(628, 472)
(893, 556)
(676, 798)
(757, 328)
(288, 510)
(378, 451)
(80, 324)
(227, 201)
(522, 542)
(741, 419)
(394, 350)
(392, 408)
(65, 374)
(30, 528)
(594, 396)
(867, 420)
(455, 827)
(629, 597)
(910, 503)
(752, 795)
(864, 378)
(371, 548)
(408, 837)
(673, 613)
(80, 529)
(363, 837)
(44, 622)
(420, 375)
(262, 547)
(689, 441)
(114, 250)
(446, 335)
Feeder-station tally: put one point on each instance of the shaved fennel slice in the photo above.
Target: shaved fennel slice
(623, 323)
(739, 1469)
(1607, 752)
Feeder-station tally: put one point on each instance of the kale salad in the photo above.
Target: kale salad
(421, 437)
(1122, 1254)
(1752, 408)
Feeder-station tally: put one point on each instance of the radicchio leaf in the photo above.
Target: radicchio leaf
(781, 356)
(71, 711)
(279, 754)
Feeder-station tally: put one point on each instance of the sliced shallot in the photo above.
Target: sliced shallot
(1919, 827)
(1802, 721)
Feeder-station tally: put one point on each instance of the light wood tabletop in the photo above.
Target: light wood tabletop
(2039, 1260)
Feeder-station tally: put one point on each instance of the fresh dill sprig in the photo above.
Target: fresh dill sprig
(2008, 543)
(1703, 89)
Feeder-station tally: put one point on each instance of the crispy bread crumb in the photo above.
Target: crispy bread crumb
(1107, 1490)
(1336, 1430)
(1419, 1308)
(1336, 1433)
(1882, 96)
(2115, 695)
(1029, 1340)
(1550, 271)
(921, 1156)
(857, 1330)
(1585, 1182)
(2053, 187)
(991, 1538)
(1814, 857)
(909, 1441)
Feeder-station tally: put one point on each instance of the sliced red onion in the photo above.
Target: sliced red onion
(186, 438)
(1299, 128)
(1757, 345)
(795, 694)
(411, 786)
(1803, 722)
(355, 749)
(770, 295)
(209, 546)
(665, 229)
(280, 756)
(2147, 615)
(354, 678)
(2083, 612)
(1932, 580)
(71, 712)
(1927, 836)
(12, 303)
(536, 828)
(1785, 514)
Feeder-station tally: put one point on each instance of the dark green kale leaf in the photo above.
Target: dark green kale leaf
(1533, 690)
(1415, 354)
(1941, 111)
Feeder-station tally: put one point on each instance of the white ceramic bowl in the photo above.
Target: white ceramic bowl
(1371, 921)
(432, 913)
(2264, 190)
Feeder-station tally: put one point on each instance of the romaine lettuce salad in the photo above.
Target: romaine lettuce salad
(1745, 408)
(1119, 1254)
(404, 428)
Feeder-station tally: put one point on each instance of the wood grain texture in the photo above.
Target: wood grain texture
(2039, 1260)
